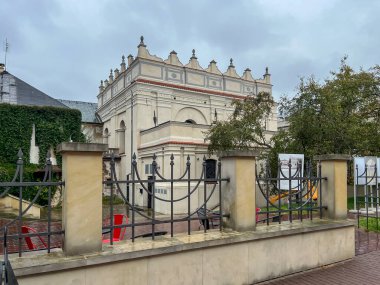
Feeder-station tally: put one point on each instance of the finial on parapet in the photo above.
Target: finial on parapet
(101, 86)
(110, 76)
(193, 55)
(247, 75)
(231, 63)
(212, 68)
(193, 62)
(116, 72)
(106, 83)
(141, 42)
(267, 75)
(231, 70)
(130, 59)
(122, 64)
(173, 59)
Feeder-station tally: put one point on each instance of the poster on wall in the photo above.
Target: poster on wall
(296, 169)
(360, 165)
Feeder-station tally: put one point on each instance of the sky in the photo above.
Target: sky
(65, 47)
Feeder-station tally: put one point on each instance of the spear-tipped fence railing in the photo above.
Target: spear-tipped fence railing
(6, 271)
(140, 218)
(369, 180)
(19, 187)
(294, 193)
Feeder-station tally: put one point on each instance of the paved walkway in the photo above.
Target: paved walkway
(362, 269)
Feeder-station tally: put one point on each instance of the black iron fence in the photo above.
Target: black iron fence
(293, 193)
(6, 271)
(210, 181)
(21, 233)
(366, 197)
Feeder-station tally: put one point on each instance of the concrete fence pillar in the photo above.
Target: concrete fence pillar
(82, 196)
(239, 195)
(334, 189)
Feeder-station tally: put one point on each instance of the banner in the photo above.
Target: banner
(296, 169)
(360, 165)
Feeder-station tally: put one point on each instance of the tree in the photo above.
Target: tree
(246, 126)
(340, 115)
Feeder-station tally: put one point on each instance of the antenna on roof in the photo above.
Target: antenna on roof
(6, 47)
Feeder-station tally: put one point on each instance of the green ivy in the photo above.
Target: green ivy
(53, 126)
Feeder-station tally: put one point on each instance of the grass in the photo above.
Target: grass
(116, 200)
(373, 224)
(359, 202)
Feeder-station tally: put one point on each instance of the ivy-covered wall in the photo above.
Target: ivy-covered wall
(53, 126)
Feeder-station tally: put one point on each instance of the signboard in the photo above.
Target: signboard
(361, 164)
(296, 169)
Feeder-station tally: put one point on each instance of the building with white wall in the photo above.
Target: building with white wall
(163, 107)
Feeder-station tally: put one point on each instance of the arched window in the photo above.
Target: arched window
(190, 121)
(105, 136)
(121, 133)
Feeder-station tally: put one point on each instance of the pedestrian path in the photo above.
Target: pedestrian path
(361, 270)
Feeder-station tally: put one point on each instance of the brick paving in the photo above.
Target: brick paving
(362, 269)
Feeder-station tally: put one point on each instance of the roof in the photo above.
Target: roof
(87, 109)
(29, 95)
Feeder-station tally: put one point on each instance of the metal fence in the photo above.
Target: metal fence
(149, 220)
(18, 231)
(6, 271)
(366, 197)
(293, 193)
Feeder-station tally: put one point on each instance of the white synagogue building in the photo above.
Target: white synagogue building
(163, 107)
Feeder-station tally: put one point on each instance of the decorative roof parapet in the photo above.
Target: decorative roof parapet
(122, 64)
(117, 73)
(247, 75)
(267, 76)
(144, 53)
(212, 68)
(193, 62)
(231, 70)
(110, 77)
(101, 86)
(130, 60)
(173, 59)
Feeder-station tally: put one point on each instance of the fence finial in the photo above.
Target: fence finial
(20, 154)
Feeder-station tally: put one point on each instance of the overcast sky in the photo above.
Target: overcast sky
(65, 47)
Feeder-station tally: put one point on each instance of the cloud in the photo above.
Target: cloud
(65, 47)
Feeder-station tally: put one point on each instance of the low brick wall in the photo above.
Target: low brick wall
(212, 258)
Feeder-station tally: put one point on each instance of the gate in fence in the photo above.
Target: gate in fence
(291, 193)
(366, 203)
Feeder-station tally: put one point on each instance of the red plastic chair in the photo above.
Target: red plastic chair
(118, 233)
(258, 210)
(34, 242)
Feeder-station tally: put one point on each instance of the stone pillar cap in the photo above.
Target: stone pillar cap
(239, 153)
(82, 147)
(325, 157)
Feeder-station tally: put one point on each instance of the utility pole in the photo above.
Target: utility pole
(6, 50)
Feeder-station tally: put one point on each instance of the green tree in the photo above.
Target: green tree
(340, 115)
(246, 126)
